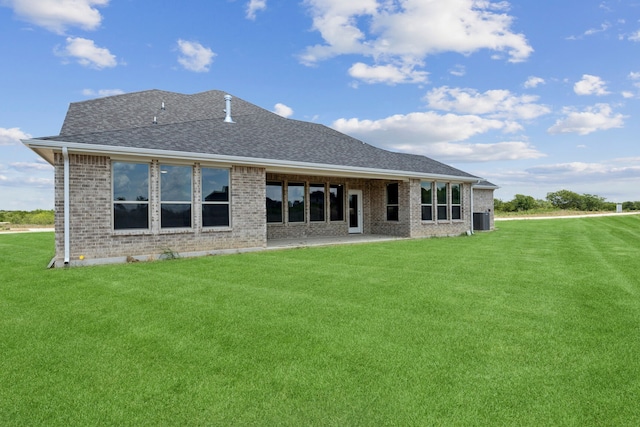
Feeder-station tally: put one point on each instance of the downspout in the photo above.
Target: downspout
(471, 228)
(65, 154)
(471, 206)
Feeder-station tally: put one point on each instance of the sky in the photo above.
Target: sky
(534, 96)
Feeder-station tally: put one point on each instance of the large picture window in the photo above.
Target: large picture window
(336, 202)
(441, 188)
(215, 197)
(316, 202)
(175, 196)
(295, 197)
(456, 198)
(392, 202)
(130, 195)
(274, 202)
(426, 190)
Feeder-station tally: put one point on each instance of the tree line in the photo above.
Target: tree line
(564, 200)
(37, 217)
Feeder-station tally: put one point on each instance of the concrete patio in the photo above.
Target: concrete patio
(327, 241)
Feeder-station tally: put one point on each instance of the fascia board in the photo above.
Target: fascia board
(41, 147)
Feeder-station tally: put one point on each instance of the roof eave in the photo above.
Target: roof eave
(47, 148)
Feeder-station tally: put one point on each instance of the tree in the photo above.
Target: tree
(564, 199)
(523, 203)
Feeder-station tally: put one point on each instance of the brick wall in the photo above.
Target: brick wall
(378, 213)
(482, 202)
(420, 228)
(287, 230)
(92, 236)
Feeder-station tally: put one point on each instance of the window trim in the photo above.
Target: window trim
(459, 204)
(176, 202)
(425, 205)
(304, 202)
(140, 230)
(204, 203)
(445, 186)
(324, 202)
(281, 185)
(389, 204)
(339, 189)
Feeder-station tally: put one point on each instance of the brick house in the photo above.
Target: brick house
(139, 174)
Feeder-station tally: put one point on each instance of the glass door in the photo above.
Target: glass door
(355, 211)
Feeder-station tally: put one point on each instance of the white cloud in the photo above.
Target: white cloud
(603, 27)
(254, 6)
(87, 53)
(57, 15)
(587, 172)
(27, 181)
(417, 128)
(389, 74)
(465, 152)
(635, 37)
(390, 32)
(590, 85)
(31, 166)
(101, 92)
(534, 82)
(194, 56)
(283, 110)
(616, 180)
(437, 135)
(495, 103)
(458, 71)
(598, 117)
(12, 136)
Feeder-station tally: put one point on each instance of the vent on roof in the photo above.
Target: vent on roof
(227, 110)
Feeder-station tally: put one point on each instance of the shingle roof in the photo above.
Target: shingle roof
(195, 124)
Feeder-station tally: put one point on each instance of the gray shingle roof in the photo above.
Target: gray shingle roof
(195, 124)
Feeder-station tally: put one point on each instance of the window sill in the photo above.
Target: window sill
(176, 230)
(216, 229)
(132, 232)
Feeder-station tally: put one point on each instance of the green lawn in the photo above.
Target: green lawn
(535, 324)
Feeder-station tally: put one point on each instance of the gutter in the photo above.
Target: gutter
(65, 153)
(271, 165)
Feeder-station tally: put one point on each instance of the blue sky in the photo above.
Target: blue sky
(535, 96)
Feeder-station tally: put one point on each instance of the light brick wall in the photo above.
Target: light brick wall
(91, 208)
(378, 214)
(308, 228)
(420, 228)
(92, 236)
(483, 202)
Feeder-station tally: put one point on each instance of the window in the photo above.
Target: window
(274, 202)
(175, 196)
(215, 197)
(316, 202)
(336, 202)
(130, 195)
(442, 200)
(392, 202)
(456, 208)
(295, 197)
(427, 200)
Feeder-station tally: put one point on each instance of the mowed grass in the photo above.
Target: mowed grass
(535, 324)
